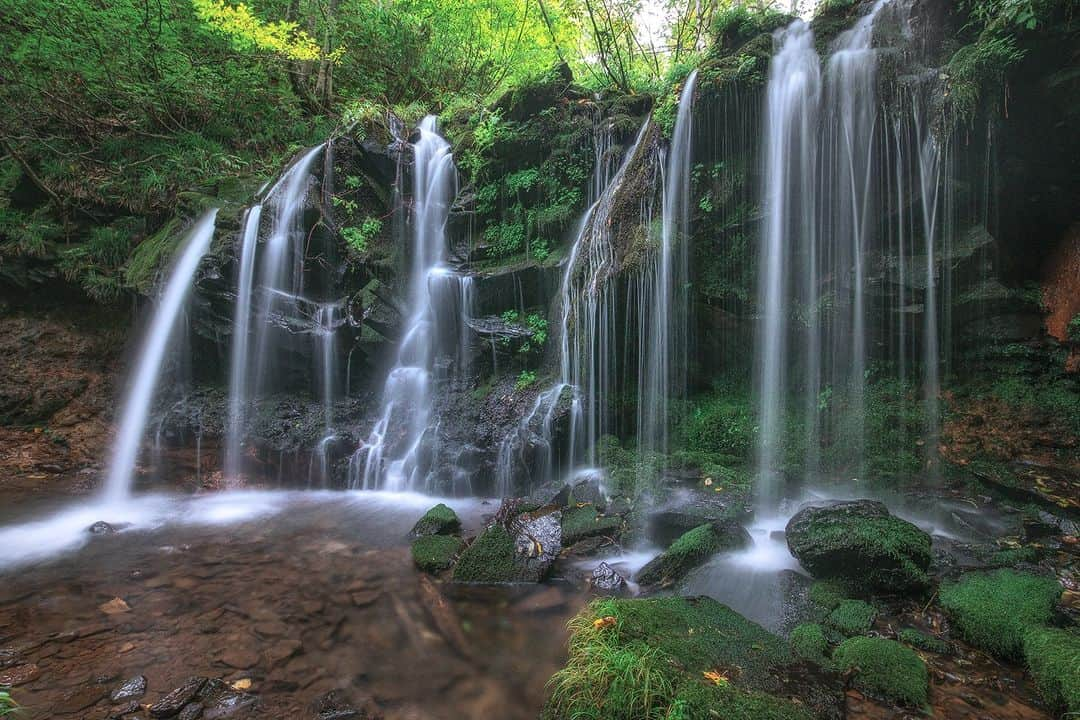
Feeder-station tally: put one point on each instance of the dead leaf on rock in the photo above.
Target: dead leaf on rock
(241, 684)
(715, 677)
(115, 607)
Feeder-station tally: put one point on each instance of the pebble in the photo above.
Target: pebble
(133, 688)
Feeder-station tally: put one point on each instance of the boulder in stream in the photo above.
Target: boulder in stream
(439, 520)
(862, 544)
(520, 550)
(692, 549)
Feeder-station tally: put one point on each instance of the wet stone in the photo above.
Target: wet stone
(171, 705)
(191, 711)
(79, 699)
(101, 528)
(127, 709)
(228, 705)
(605, 578)
(240, 658)
(133, 688)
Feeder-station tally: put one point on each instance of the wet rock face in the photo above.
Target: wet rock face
(861, 543)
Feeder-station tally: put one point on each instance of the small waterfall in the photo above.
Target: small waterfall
(665, 302)
(393, 456)
(238, 366)
(787, 237)
(136, 408)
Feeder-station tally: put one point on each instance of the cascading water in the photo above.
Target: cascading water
(393, 457)
(136, 409)
(665, 302)
(238, 366)
(790, 155)
(586, 329)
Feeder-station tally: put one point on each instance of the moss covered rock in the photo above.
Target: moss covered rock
(690, 550)
(922, 641)
(884, 668)
(489, 559)
(435, 553)
(808, 643)
(1053, 657)
(581, 522)
(862, 544)
(995, 610)
(852, 617)
(670, 658)
(521, 551)
(439, 520)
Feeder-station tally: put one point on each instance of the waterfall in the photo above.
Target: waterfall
(664, 339)
(394, 457)
(136, 408)
(586, 311)
(787, 237)
(238, 377)
(278, 280)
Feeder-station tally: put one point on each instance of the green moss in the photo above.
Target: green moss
(993, 611)
(648, 661)
(852, 617)
(690, 550)
(490, 558)
(827, 594)
(1053, 657)
(435, 553)
(1014, 556)
(439, 520)
(884, 668)
(921, 640)
(808, 643)
(582, 522)
(151, 255)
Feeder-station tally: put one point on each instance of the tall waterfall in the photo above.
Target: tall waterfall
(586, 313)
(394, 456)
(663, 340)
(279, 280)
(790, 148)
(136, 408)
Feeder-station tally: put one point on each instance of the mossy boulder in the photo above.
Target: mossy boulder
(852, 617)
(439, 520)
(862, 544)
(583, 522)
(523, 553)
(1053, 657)
(691, 550)
(435, 553)
(995, 610)
(808, 642)
(670, 658)
(884, 668)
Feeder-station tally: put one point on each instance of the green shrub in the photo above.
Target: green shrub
(993, 611)
(1053, 657)
(721, 424)
(525, 379)
(359, 238)
(884, 668)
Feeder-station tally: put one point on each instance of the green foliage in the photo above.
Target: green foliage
(359, 238)
(435, 553)
(247, 32)
(505, 239)
(993, 611)
(8, 706)
(923, 641)
(808, 643)
(884, 668)
(721, 423)
(527, 378)
(1053, 657)
(852, 617)
(975, 67)
(648, 662)
(489, 559)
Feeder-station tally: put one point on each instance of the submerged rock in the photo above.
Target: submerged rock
(691, 550)
(861, 543)
(439, 520)
(171, 705)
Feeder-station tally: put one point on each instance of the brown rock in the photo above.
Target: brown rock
(19, 675)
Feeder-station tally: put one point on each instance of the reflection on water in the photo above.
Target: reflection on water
(322, 597)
